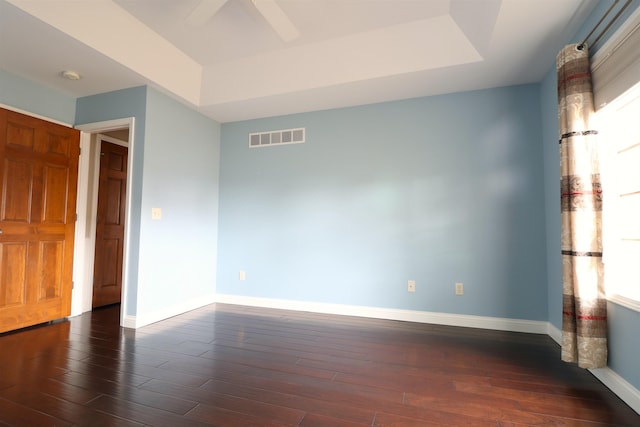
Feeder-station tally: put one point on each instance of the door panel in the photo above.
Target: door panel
(107, 286)
(14, 273)
(55, 194)
(37, 217)
(18, 176)
(52, 256)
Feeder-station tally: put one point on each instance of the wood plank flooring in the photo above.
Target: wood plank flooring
(226, 365)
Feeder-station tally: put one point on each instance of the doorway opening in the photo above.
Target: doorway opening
(120, 133)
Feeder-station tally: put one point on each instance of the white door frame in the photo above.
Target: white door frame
(85, 238)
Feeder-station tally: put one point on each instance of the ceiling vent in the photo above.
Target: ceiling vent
(277, 137)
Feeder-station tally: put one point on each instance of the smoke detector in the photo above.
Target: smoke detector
(70, 75)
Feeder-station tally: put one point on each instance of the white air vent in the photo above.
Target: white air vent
(276, 137)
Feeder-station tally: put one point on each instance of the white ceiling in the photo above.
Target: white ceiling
(231, 64)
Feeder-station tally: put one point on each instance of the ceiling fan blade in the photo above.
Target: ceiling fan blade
(203, 12)
(278, 20)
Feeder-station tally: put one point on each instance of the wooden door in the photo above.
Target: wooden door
(107, 272)
(38, 183)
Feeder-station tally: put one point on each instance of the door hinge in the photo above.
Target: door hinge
(73, 284)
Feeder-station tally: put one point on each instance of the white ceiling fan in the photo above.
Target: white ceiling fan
(269, 9)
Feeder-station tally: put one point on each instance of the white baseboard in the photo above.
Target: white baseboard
(145, 319)
(607, 376)
(129, 322)
(625, 391)
(554, 333)
(483, 322)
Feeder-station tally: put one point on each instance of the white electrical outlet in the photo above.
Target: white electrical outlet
(411, 285)
(242, 275)
(459, 289)
(156, 214)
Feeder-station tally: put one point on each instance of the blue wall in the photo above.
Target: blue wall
(624, 347)
(181, 167)
(441, 190)
(35, 98)
(549, 105)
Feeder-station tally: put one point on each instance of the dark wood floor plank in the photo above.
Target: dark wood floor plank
(300, 350)
(363, 398)
(324, 390)
(594, 400)
(214, 398)
(130, 365)
(130, 354)
(191, 348)
(315, 420)
(428, 415)
(485, 408)
(272, 364)
(141, 413)
(165, 375)
(104, 374)
(582, 410)
(15, 414)
(30, 370)
(174, 404)
(64, 391)
(225, 365)
(62, 409)
(214, 415)
(567, 387)
(252, 391)
(389, 420)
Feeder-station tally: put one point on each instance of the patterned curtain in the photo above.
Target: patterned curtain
(584, 305)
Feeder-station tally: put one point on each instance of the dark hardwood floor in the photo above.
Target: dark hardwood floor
(228, 365)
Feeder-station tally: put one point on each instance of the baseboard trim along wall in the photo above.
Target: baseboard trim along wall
(607, 376)
(135, 322)
(625, 391)
(129, 322)
(554, 333)
(482, 322)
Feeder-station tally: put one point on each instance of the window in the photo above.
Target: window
(615, 69)
(619, 123)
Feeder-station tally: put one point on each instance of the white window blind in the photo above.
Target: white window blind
(620, 139)
(615, 68)
(615, 72)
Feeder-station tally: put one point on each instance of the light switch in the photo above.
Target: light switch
(156, 214)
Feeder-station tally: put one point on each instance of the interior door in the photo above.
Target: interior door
(107, 274)
(38, 183)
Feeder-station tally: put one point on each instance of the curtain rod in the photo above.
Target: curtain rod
(603, 32)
